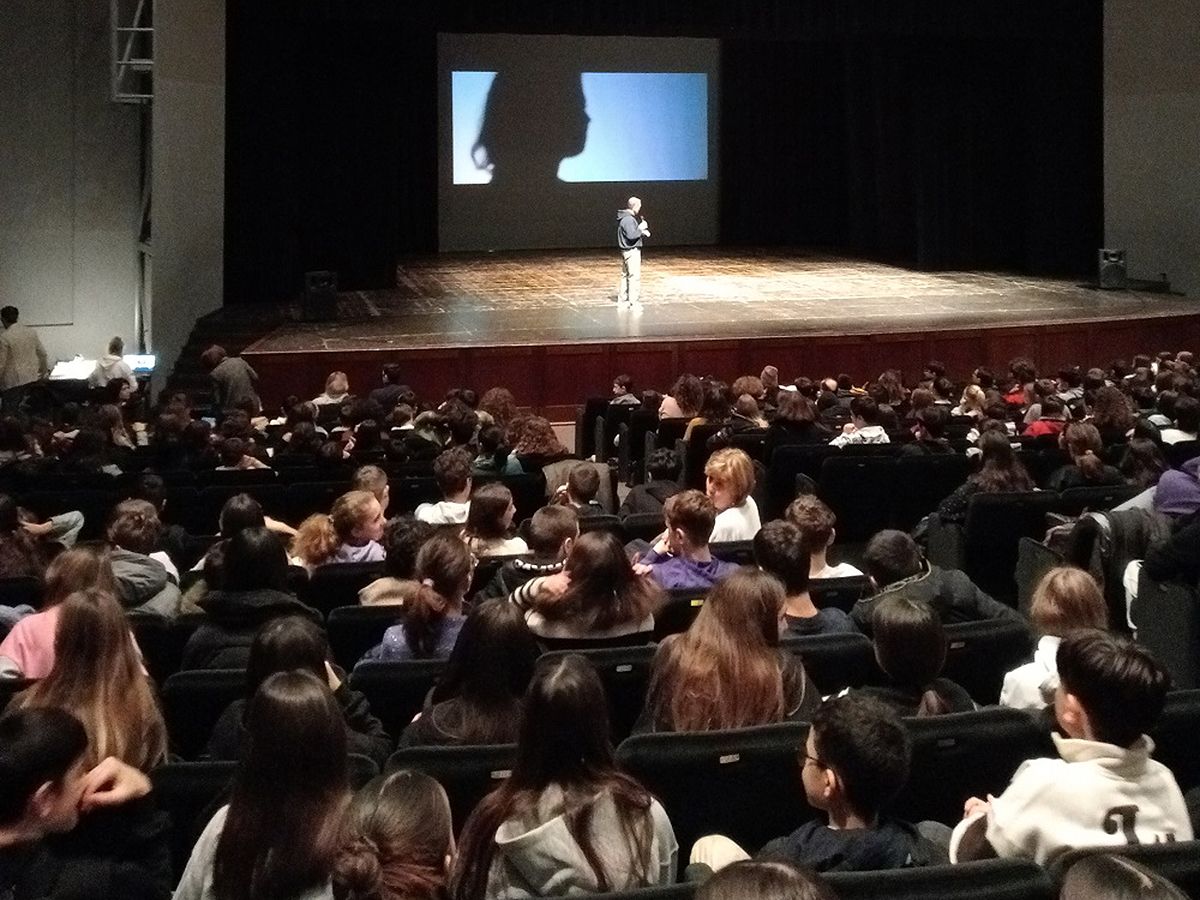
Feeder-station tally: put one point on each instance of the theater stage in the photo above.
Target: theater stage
(545, 324)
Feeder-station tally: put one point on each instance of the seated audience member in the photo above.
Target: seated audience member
(337, 390)
(795, 422)
(433, 614)
(910, 648)
(399, 840)
(235, 456)
(28, 649)
(112, 367)
(373, 480)
(1087, 468)
(779, 551)
(403, 538)
(1186, 426)
(1001, 472)
(392, 389)
(895, 566)
(69, 829)
(500, 404)
(1051, 419)
(349, 534)
(816, 523)
(296, 643)
(662, 472)
(971, 403)
(552, 532)
(684, 400)
(478, 699)
(98, 677)
(681, 559)
(21, 554)
(232, 378)
(727, 670)
(1111, 876)
(579, 493)
(1104, 789)
(489, 523)
(764, 881)
(1143, 463)
(538, 446)
(1113, 415)
(622, 392)
(136, 529)
(1066, 599)
(494, 457)
(253, 591)
(864, 426)
(452, 469)
(856, 761)
(282, 830)
(153, 490)
(238, 512)
(729, 479)
(566, 821)
(596, 596)
(929, 432)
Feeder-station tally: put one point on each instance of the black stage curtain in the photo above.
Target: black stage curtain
(930, 133)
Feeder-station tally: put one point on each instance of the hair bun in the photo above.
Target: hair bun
(359, 868)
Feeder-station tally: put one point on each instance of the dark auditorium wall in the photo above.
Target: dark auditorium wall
(930, 133)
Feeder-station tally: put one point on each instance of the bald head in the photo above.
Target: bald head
(634, 204)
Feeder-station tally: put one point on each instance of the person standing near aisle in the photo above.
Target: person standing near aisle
(631, 229)
(22, 359)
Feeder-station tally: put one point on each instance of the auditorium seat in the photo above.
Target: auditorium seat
(961, 755)
(678, 613)
(834, 661)
(396, 691)
(743, 782)
(923, 482)
(625, 672)
(1180, 452)
(1167, 615)
(979, 654)
(353, 630)
(337, 584)
(683, 891)
(636, 639)
(274, 498)
(643, 526)
(309, 497)
(785, 464)
(1077, 501)
(859, 490)
(694, 453)
(594, 408)
(528, 490)
(192, 703)
(1177, 737)
(840, 593)
(21, 590)
(409, 493)
(95, 504)
(468, 774)
(992, 879)
(608, 523)
(161, 641)
(739, 553)
(1176, 861)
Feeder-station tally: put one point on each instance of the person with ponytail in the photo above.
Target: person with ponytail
(1087, 468)
(566, 821)
(349, 534)
(433, 614)
(399, 841)
(910, 648)
(282, 832)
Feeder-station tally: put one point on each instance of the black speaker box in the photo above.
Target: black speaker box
(1113, 276)
(320, 297)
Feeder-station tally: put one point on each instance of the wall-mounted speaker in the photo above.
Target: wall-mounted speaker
(320, 297)
(1113, 276)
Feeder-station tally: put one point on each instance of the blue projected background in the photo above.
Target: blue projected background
(645, 126)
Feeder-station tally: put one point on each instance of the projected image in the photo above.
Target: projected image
(533, 126)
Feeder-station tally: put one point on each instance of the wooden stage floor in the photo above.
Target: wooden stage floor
(480, 319)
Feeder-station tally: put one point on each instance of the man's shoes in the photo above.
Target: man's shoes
(622, 304)
(636, 307)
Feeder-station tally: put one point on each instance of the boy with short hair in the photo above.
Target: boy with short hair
(779, 550)
(579, 493)
(816, 523)
(553, 530)
(681, 560)
(855, 762)
(1104, 789)
(622, 392)
(452, 469)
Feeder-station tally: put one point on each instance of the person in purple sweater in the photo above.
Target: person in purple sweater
(681, 560)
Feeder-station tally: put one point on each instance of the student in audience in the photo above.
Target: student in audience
(235, 456)
(296, 643)
(910, 648)
(1186, 426)
(1065, 600)
(538, 445)
(403, 538)
(433, 614)
(779, 551)
(896, 567)
(1143, 463)
(1113, 415)
(1087, 468)
(392, 389)
(727, 670)
(375, 481)
(98, 677)
(337, 390)
(283, 828)
(478, 699)
(764, 880)
(864, 426)
(566, 821)
(399, 841)
(349, 534)
(596, 596)
(681, 560)
(971, 403)
(494, 457)
(28, 649)
(1110, 876)
(70, 831)
(579, 493)
(452, 469)
(929, 431)
(684, 399)
(254, 590)
(1104, 789)
(135, 528)
(795, 422)
(729, 479)
(489, 523)
(1001, 472)
(662, 473)
(552, 532)
(816, 522)
(21, 554)
(500, 404)
(232, 377)
(1051, 418)
(622, 392)
(856, 761)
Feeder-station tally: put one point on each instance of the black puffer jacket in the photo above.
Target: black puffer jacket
(234, 617)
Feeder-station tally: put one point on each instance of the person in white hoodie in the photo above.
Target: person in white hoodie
(566, 821)
(1104, 790)
(1066, 599)
(112, 367)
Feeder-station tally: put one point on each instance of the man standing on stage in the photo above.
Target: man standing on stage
(631, 228)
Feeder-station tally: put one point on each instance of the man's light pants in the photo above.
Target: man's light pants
(630, 289)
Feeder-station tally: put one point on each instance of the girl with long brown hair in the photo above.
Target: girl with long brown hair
(283, 829)
(566, 821)
(98, 677)
(489, 522)
(727, 670)
(1001, 473)
(1087, 468)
